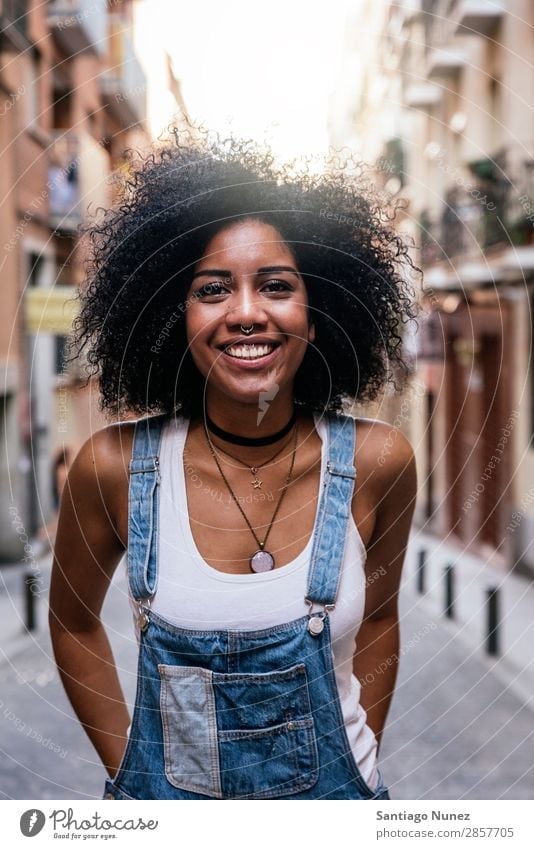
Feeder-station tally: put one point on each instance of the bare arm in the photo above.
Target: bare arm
(86, 554)
(377, 654)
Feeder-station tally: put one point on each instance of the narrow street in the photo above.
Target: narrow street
(454, 731)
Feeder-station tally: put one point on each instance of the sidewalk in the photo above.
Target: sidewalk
(455, 730)
(14, 636)
(46, 753)
(472, 578)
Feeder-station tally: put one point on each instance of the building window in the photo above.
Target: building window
(60, 343)
(35, 268)
(33, 77)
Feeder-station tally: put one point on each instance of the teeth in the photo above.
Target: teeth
(249, 352)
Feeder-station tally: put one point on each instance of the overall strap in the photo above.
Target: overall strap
(143, 507)
(334, 512)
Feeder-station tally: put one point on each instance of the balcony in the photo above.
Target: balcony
(494, 206)
(123, 85)
(423, 96)
(77, 176)
(429, 233)
(477, 17)
(14, 13)
(518, 168)
(78, 25)
(409, 10)
(486, 225)
(391, 165)
(430, 340)
(461, 230)
(445, 62)
(14, 24)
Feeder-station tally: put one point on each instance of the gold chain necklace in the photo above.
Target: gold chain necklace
(256, 482)
(261, 560)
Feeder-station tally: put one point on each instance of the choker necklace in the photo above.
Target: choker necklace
(250, 440)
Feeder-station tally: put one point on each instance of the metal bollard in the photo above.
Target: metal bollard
(449, 591)
(421, 571)
(30, 581)
(492, 639)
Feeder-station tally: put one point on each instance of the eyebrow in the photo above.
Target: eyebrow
(268, 269)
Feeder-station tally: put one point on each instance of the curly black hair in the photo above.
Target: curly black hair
(142, 253)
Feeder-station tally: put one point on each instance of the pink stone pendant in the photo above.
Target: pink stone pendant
(262, 561)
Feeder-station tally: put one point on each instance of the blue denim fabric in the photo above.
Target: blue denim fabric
(239, 714)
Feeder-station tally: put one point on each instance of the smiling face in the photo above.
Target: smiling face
(248, 277)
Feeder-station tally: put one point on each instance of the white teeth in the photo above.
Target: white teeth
(249, 352)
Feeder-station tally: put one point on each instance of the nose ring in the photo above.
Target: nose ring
(246, 330)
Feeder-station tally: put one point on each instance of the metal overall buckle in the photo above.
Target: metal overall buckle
(143, 608)
(317, 617)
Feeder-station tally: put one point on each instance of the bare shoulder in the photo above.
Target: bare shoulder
(108, 450)
(386, 481)
(101, 467)
(91, 535)
(383, 452)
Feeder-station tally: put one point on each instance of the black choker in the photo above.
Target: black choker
(250, 440)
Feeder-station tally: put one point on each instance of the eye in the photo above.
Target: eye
(208, 289)
(279, 286)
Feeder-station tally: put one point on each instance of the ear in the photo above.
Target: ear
(311, 332)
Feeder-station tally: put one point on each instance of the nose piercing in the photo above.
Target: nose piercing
(246, 330)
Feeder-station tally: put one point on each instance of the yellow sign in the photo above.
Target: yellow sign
(51, 310)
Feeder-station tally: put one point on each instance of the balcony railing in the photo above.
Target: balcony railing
(519, 196)
(430, 342)
(463, 223)
(78, 25)
(408, 10)
(477, 17)
(438, 25)
(64, 183)
(445, 62)
(14, 13)
(493, 206)
(123, 85)
(423, 96)
(391, 164)
(429, 238)
(77, 176)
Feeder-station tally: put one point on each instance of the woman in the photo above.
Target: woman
(244, 305)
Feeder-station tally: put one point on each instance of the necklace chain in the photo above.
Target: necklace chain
(284, 490)
(256, 483)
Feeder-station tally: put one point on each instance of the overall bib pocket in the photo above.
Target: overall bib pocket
(238, 735)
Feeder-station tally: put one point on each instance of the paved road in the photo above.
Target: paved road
(454, 732)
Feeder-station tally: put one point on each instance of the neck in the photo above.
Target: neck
(250, 420)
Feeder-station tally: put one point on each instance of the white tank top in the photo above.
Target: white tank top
(192, 594)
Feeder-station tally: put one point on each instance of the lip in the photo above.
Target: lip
(248, 365)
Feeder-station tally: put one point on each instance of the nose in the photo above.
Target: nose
(245, 308)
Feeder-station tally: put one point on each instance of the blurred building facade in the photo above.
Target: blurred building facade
(74, 96)
(437, 93)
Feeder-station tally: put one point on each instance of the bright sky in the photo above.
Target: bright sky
(262, 70)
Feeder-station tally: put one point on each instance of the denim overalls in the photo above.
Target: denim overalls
(239, 714)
